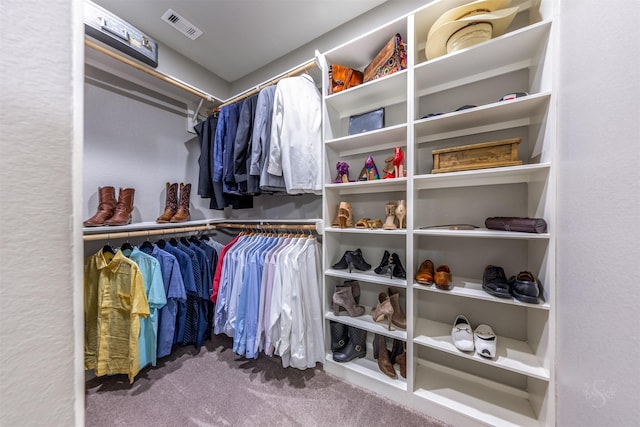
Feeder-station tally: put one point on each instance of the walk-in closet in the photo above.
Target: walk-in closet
(320, 213)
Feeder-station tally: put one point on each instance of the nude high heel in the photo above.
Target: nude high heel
(401, 212)
(390, 222)
(345, 215)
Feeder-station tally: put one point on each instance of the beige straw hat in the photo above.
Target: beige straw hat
(445, 35)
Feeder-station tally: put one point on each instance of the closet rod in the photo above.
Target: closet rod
(262, 226)
(298, 70)
(144, 233)
(149, 71)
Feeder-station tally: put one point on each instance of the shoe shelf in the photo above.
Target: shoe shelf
(484, 400)
(367, 323)
(378, 140)
(388, 90)
(374, 186)
(533, 172)
(141, 226)
(367, 276)
(468, 288)
(483, 233)
(523, 111)
(352, 230)
(368, 370)
(512, 355)
(510, 52)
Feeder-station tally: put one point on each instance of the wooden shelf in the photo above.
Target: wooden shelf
(513, 51)
(483, 233)
(364, 187)
(534, 172)
(368, 142)
(469, 288)
(366, 323)
(512, 355)
(478, 398)
(367, 276)
(484, 118)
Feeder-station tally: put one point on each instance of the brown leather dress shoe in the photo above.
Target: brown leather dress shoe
(424, 275)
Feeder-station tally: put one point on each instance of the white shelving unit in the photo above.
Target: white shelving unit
(517, 386)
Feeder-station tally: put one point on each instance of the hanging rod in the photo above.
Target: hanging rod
(150, 71)
(193, 229)
(298, 70)
(144, 233)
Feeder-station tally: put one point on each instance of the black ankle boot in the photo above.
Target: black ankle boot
(386, 264)
(356, 347)
(339, 335)
(398, 270)
(342, 264)
(355, 259)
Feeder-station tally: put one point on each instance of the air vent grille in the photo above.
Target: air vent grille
(181, 24)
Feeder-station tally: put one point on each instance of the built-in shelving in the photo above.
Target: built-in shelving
(382, 139)
(367, 323)
(534, 172)
(367, 276)
(363, 187)
(482, 233)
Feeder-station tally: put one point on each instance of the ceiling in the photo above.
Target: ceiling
(239, 36)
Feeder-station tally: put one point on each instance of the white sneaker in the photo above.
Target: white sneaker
(485, 341)
(462, 334)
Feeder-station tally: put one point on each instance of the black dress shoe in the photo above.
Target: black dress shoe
(398, 269)
(342, 264)
(494, 282)
(524, 287)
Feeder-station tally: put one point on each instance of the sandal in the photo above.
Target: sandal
(374, 223)
(362, 223)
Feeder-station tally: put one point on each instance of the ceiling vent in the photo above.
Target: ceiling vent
(181, 24)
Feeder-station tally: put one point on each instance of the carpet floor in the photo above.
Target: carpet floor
(215, 387)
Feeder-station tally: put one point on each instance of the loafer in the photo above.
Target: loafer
(485, 341)
(443, 278)
(462, 334)
(425, 273)
(524, 287)
(494, 282)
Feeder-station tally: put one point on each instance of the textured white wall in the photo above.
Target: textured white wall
(40, 347)
(599, 207)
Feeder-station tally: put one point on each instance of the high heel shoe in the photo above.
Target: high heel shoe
(398, 318)
(398, 162)
(355, 259)
(372, 170)
(383, 310)
(398, 270)
(345, 215)
(389, 171)
(399, 356)
(401, 212)
(355, 288)
(343, 172)
(386, 265)
(343, 296)
(382, 354)
(390, 222)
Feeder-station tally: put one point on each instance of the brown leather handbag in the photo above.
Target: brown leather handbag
(342, 78)
(392, 58)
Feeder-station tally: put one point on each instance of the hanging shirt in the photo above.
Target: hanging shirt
(261, 144)
(242, 145)
(114, 302)
(157, 298)
(205, 180)
(296, 143)
(175, 292)
(192, 311)
(218, 273)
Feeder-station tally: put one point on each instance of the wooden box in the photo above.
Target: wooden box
(491, 154)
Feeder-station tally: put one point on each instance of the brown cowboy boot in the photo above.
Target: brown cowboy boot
(106, 207)
(171, 205)
(182, 214)
(122, 216)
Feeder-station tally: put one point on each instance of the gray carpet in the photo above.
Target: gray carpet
(216, 387)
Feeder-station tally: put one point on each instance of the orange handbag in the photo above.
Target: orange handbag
(342, 78)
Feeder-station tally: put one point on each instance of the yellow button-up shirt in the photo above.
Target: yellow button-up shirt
(114, 301)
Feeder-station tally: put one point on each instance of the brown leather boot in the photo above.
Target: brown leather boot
(106, 207)
(122, 216)
(171, 205)
(383, 355)
(183, 214)
(398, 318)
